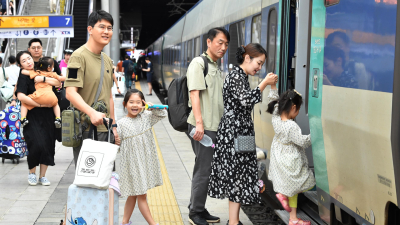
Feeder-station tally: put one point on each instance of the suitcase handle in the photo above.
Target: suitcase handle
(93, 129)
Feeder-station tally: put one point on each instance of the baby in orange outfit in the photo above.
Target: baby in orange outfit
(44, 94)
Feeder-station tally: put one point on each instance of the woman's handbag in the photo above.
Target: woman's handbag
(96, 160)
(245, 144)
(133, 76)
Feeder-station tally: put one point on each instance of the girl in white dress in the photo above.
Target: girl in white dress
(288, 170)
(140, 167)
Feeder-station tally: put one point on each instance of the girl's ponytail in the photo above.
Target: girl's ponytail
(271, 106)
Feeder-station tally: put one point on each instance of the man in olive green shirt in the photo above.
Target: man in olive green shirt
(207, 109)
(83, 76)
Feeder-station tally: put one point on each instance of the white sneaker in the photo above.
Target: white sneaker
(43, 181)
(32, 179)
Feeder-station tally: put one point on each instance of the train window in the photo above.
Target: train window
(204, 42)
(256, 29)
(271, 41)
(196, 46)
(189, 51)
(236, 31)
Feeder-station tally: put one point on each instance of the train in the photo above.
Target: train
(340, 54)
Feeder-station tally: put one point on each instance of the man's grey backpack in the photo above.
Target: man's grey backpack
(178, 99)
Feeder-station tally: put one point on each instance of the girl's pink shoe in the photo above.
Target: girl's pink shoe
(299, 222)
(284, 201)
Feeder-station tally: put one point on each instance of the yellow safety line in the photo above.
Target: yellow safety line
(162, 202)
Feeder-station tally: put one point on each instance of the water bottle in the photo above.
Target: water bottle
(206, 141)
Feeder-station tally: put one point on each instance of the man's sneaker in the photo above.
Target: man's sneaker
(197, 219)
(58, 123)
(43, 181)
(24, 122)
(210, 219)
(32, 179)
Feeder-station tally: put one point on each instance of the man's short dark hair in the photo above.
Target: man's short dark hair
(215, 31)
(340, 34)
(127, 57)
(11, 59)
(34, 40)
(148, 58)
(99, 15)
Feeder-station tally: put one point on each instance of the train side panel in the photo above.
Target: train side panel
(350, 106)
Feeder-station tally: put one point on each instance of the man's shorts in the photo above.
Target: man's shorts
(149, 77)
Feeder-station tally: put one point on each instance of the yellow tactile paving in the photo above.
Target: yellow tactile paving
(162, 202)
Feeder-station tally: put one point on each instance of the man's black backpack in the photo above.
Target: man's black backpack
(131, 67)
(178, 99)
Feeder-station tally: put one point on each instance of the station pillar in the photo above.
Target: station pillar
(115, 44)
(105, 5)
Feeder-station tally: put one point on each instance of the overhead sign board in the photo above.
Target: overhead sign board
(36, 26)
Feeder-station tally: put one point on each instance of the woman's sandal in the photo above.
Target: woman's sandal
(299, 222)
(284, 201)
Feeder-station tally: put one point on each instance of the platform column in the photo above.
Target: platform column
(115, 44)
(105, 5)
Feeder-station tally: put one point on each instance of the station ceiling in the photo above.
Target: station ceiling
(157, 16)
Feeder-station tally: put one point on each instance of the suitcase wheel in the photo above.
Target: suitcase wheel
(2, 160)
(17, 160)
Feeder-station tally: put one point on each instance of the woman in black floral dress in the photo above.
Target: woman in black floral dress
(234, 175)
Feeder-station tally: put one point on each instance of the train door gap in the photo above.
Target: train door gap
(292, 47)
(288, 46)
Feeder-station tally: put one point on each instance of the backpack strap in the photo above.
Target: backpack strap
(4, 74)
(205, 72)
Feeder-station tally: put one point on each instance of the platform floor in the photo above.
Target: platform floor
(22, 204)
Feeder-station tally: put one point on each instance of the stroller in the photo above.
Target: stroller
(13, 145)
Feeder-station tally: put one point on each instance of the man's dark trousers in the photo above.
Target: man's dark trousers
(201, 172)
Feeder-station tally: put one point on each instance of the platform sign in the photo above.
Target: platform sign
(36, 26)
(24, 21)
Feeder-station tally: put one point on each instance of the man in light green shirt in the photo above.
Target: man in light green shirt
(207, 109)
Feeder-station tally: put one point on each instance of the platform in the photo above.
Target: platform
(26, 205)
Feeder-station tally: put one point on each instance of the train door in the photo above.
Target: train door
(294, 56)
(352, 106)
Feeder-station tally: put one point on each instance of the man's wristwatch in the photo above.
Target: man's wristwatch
(117, 87)
(114, 125)
(13, 99)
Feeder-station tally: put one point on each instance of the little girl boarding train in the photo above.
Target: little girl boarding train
(288, 168)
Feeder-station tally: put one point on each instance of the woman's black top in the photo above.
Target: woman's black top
(40, 132)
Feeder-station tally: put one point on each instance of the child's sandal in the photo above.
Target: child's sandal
(284, 201)
(299, 222)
